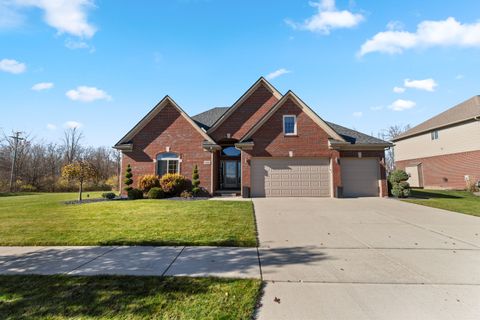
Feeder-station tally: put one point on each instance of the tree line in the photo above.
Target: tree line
(38, 164)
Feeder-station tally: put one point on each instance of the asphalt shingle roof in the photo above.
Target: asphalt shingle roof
(466, 110)
(206, 119)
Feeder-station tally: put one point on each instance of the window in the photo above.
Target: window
(168, 162)
(289, 125)
(434, 135)
(231, 152)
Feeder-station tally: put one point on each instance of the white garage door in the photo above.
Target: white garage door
(360, 177)
(290, 177)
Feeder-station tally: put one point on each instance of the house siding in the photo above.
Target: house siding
(168, 129)
(246, 115)
(447, 171)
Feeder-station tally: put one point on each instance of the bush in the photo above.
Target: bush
(398, 176)
(148, 182)
(173, 184)
(156, 193)
(195, 181)
(109, 195)
(134, 194)
(186, 194)
(128, 178)
(28, 188)
(400, 186)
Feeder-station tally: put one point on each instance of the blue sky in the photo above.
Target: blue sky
(104, 64)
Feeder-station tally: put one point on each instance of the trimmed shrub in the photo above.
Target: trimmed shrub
(148, 182)
(109, 195)
(128, 179)
(134, 194)
(400, 186)
(173, 184)
(186, 194)
(195, 181)
(156, 193)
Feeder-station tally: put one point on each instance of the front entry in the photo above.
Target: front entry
(230, 174)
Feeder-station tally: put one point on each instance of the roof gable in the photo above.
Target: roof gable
(306, 109)
(261, 81)
(464, 111)
(151, 115)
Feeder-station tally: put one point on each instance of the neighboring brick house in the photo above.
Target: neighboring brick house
(444, 151)
(265, 144)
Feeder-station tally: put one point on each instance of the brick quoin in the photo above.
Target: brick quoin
(246, 115)
(168, 129)
(447, 171)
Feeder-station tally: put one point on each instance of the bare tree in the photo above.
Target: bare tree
(71, 144)
(389, 134)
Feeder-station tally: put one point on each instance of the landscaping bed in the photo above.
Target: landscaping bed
(44, 219)
(126, 297)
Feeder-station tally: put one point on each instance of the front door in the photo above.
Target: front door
(231, 174)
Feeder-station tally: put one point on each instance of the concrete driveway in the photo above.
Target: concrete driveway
(367, 258)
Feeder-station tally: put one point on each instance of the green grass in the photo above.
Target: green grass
(458, 201)
(121, 297)
(43, 219)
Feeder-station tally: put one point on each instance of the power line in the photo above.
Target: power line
(13, 172)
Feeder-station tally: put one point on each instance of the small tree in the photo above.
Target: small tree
(80, 171)
(128, 179)
(195, 181)
(400, 187)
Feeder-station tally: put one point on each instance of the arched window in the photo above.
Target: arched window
(168, 162)
(231, 152)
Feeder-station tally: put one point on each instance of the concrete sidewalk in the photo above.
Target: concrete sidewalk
(132, 260)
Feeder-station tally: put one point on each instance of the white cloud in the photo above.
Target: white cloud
(66, 16)
(425, 84)
(459, 76)
(73, 44)
(72, 125)
(444, 33)
(357, 114)
(398, 89)
(51, 126)
(400, 105)
(12, 66)
(327, 18)
(42, 86)
(9, 17)
(87, 94)
(277, 73)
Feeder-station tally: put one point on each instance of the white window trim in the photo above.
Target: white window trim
(294, 126)
(168, 159)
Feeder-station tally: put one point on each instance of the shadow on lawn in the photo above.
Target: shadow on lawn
(15, 194)
(48, 297)
(421, 194)
(232, 242)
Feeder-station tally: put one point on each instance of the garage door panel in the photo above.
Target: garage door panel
(291, 177)
(360, 177)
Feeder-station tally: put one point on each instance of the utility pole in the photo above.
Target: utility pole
(13, 177)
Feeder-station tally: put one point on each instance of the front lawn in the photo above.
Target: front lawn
(43, 219)
(121, 297)
(459, 201)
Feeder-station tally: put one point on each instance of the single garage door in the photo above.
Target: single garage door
(290, 177)
(360, 177)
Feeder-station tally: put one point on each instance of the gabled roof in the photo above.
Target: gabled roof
(248, 93)
(206, 119)
(464, 111)
(290, 95)
(158, 107)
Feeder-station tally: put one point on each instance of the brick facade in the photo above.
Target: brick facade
(246, 115)
(447, 171)
(168, 129)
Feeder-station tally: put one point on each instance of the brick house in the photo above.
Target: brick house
(266, 144)
(444, 151)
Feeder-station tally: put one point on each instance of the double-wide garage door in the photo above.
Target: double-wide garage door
(290, 177)
(360, 177)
